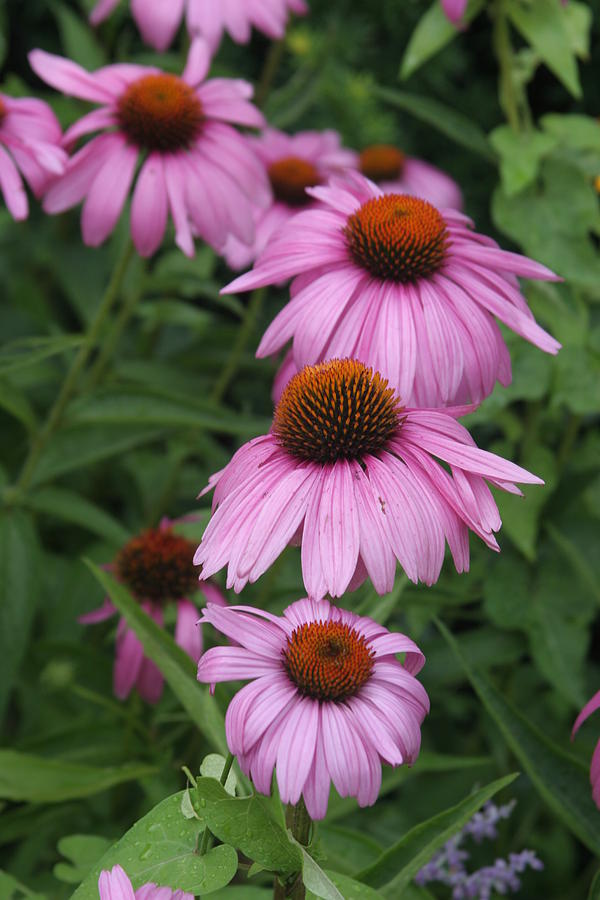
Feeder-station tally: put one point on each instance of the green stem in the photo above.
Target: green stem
(504, 54)
(299, 823)
(70, 383)
(270, 67)
(243, 336)
(110, 344)
(207, 838)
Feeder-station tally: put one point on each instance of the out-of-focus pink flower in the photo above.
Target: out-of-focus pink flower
(396, 173)
(408, 289)
(158, 20)
(454, 9)
(590, 707)
(157, 567)
(328, 700)
(115, 885)
(354, 477)
(293, 163)
(194, 164)
(30, 141)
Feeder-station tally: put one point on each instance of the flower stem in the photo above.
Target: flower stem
(207, 838)
(243, 336)
(270, 67)
(504, 54)
(299, 823)
(70, 383)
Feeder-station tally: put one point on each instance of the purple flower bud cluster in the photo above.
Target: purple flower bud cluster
(448, 864)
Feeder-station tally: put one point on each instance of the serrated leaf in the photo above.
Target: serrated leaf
(178, 669)
(432, 33)
(560, 779)
(543, 26)
(398, 865)
(60, 503)
(162, 848)
(35, 779)
(247, 824)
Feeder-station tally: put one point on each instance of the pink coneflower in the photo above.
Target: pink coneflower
(353, 476)
(590, 707)
(157, 567)
(158, 20)
(30, 138)
(329, 701)
(396, 173)
(115, 885)
(391, 280)
(194, 164)
(293, 163)
(454, 9)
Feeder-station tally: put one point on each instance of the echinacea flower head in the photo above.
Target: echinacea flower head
(355, 478)
(396, 173)
(293, 162)
(173, 137)
(411, 290)
(114, 884)
(156, 566)
(590, 707)
(30, 146)
(328, 700)
(158, 20)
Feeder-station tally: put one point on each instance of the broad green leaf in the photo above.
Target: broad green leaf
(346, 849)
(29, 351)
(61, 503)
(348, 888)
(83, 851)
(543, 26)
(560, 779)
(78, 39)
(20, 567)
(316, 882)
(398, 865)
(212, 767)
(243, 892)
(575, 130)
(36, 779)
(578, 18)
(521, 515)
(433, 31)
(459, 128)
(176, 666)
(578, 381)
(162, 847)
(507, 591)
(247, 824)
(574, 556)
(559, 648)
(520, 155)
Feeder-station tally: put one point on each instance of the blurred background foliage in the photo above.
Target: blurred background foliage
(151, 420)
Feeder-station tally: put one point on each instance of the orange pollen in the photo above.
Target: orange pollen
(2, 110)
(338, 409)
(382, 162)
(328, 660)
(290, 177)
(157, 565)
(160, 112)
(397, 237)
(597, 184)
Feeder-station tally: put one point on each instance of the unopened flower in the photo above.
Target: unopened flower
(396, 173)
(590, 707)
(194, 164)
(392, 281)
(293, 163)
(115, 885)
(157, 567)
(353, 476)
(158, 20)
(30, 146)
(328, 700)
(454, 9)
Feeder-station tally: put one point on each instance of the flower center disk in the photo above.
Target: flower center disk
(328, 660)
(397, 237)
(382, 162)
(338, 409)
(2, 111)
(290, 177)
(158, 565)
(160, 112)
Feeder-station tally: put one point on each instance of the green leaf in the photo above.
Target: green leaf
(578, 20)
(577, 560)
(316, 882)
(247, 824)
(577, 381)
(434, 30)
(162, 848)
(78, 39)
(398, 865)
(29, 351)
(594, 893)
(20, 565)
(83, 851)
(11, 889)
(521, 515)
(580, 132)
(176, 666)
(35, 779)
(520, 155)
(16, 404)
(348, 888)
(560, 779)
(212, 767)
(63, 504)
(460, 129)
(543, 25)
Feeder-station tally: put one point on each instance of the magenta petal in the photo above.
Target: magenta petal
(590, 707)
(297, 749)
(150, 682)
(98, 615)
(115, 885)
(128, 663)
(149, 206)
(188, 633)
